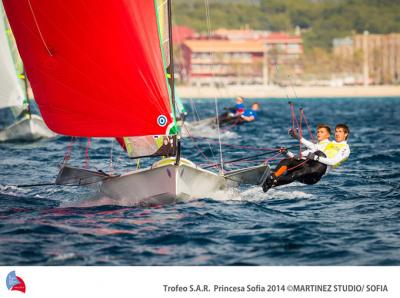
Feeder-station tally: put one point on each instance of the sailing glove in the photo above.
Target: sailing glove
(313, 156)
(293, 133)
(283, 150)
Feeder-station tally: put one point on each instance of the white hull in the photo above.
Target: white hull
(26, 130)
(163, 184)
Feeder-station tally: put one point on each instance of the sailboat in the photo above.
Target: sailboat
(22, 126)
(105, 69)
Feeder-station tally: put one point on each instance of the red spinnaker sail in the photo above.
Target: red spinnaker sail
(95, 67)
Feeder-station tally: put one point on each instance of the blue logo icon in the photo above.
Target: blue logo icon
(162, 120)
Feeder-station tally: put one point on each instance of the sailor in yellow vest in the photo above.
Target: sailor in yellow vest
(316, 161)
(337, 151)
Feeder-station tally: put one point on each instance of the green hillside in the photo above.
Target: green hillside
(320, 20)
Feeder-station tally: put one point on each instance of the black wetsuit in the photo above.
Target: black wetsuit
(305, 171)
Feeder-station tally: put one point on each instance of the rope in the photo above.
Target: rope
(272, 157)
(300, 164)
(294, 118)
(300, 131)
(86, 162)
(111, 166)
(68, 152)
(309, 128)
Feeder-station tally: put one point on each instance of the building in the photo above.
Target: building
(377, 56)
(223, 61)
(239, 34)
(343, 47)
(182, 33)
(238, 57)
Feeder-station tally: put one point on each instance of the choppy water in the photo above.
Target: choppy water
(351, 217)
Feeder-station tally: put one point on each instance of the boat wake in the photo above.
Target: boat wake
(256, 194)
(12, 190)
(96, 201)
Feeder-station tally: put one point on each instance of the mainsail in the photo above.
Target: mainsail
(11, 91)
(96, 67)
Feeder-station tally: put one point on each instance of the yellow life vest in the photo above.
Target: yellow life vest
(332, 149)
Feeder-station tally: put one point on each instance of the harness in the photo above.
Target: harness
(332, 149)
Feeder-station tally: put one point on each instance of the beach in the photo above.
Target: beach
(260, 91)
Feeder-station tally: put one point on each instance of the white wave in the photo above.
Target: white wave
(93, 202)
(12, 190)
(231, 194)
(256, 194)
(289, 195)
(63, 257)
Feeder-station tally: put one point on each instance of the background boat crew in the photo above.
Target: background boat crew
(233, 112)
(239, 107)
(250, 114)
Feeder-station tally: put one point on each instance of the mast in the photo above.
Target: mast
(171, 57)
(172, 76)
(26, 92)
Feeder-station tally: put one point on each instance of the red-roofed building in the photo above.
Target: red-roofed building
(240, 34)
(223, 61)
(182, 33)
(287, 47)
(238, 57)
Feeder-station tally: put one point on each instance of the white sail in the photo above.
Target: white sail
(11, 91)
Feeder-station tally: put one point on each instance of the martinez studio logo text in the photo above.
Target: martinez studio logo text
(15, 283)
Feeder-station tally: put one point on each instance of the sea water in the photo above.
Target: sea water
(351, 217)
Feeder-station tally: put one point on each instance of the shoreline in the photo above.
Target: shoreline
(259, 91)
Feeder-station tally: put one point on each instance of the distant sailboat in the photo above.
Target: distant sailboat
(104, 69)
(23, 126)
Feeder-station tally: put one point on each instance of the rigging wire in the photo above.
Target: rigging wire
(111, 166)
(243, 147)
(198, 148)
(208, 18)
(302, 114)
(244, 158)
(38, 28)
(198, 119)
(309, 128)
(192, 103)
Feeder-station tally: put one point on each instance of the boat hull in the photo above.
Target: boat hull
(26, 130)
(162, 185)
